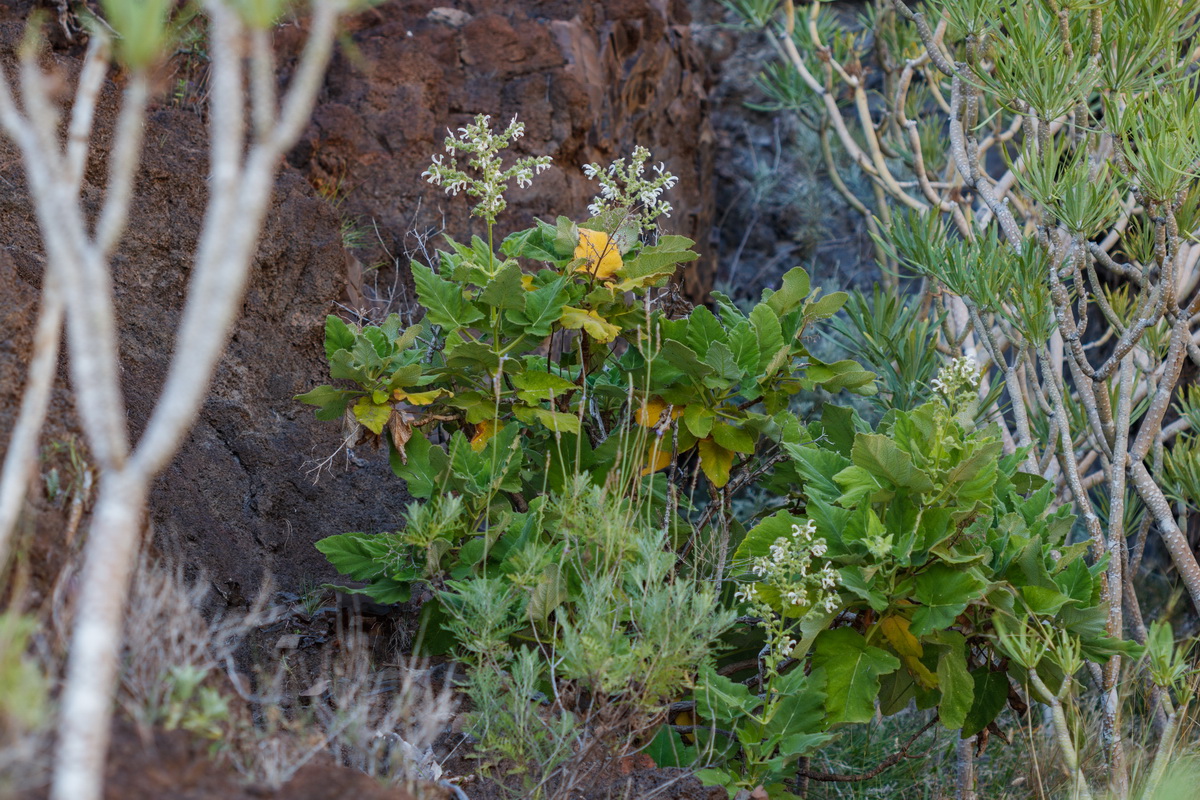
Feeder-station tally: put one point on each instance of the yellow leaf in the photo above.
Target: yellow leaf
(652, 410)
(603, 257)
(716, 461)
(908, 647)
(418, 398)
(483, 431)
(527, 283)
(656, 458)
(597, 326)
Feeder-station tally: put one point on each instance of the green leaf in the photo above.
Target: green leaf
(534, 386)
(530, 243)
(332, 401)
(957, 685)
(739, 440)
(557, 421)
(769, 333)
(684, 359)
(505, 290)
(798, 712)
(385, 590)
(989, 695)
(699, 420)
(791, 293)
(543, 307)
(443, 301)
(841, 375)
(838, 428)
(853, 580)
(827, 306)
(880, 456)
(661, 258)
(667, 749)
(338, 335)
(702, 330)
(944, 593)
(718, 698)
(726, 371)
(852, 669)
(372, 416)
(354, 555)
(758, 540)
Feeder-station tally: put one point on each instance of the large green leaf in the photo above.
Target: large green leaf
(505, 290)
(536, 386)
(758, 540)
(543, 308)
(944, 593)
(443, 301)
(358, 556)
(720, 699)
(956, 683)
(990, 693)
(852, 669)
(880, 456)
(703, 329)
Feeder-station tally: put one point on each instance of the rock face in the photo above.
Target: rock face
(591, 80)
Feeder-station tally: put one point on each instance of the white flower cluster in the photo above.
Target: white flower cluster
(801, 585)
(483, 146)
(959, 380)
(624, 187)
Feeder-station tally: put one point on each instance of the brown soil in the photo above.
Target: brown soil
(174, 764)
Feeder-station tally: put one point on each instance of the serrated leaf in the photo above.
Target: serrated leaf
(880, 456)
(338, 335)
(769, 333)
(354, 555)
(443, 301)
(530, 243)
(725, 368)
(505, 290)
(758, 540)
(702, 330)
(661, 259)
(372, 416)
(852, 669)
(719, 698)
(543, 308)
